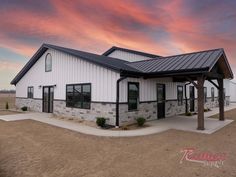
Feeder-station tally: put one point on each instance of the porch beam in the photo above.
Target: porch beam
(214, 75)
(213, 83)
(200, 91)
(221, 99)
(194, 83)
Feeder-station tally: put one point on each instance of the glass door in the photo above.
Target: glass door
(160, 101)
(48, 94)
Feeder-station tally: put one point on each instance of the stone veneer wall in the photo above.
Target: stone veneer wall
(211, 104)
(147, 110)
(32, 104)
(172, 108)
(106, 110)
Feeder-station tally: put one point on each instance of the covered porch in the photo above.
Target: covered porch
(215, 75)
(188, 124)
(194, 68)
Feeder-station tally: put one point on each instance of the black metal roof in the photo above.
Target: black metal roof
(193, 63)
(197, 61)
(112, 49)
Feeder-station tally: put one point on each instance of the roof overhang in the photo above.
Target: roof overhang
(29, 64)
(219, 69)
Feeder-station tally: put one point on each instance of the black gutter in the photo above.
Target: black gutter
(184, 72)
(117, 99)
(186, 99)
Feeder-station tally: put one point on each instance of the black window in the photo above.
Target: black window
(48, 63)
(30, 92)
(180, 95)
(78, 96)
(212, 94)
(224, 92)
(205, 94)
(133, 95)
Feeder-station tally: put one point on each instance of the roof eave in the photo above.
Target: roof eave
(167, 73)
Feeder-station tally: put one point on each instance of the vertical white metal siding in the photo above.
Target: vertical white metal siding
(67, 69)
(147, 88)
(127, 56)
(232, 91)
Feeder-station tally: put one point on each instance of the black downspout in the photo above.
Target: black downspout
(117, 99)
(186, 99)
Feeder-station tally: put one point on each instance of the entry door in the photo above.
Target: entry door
(161, 101)
(191, 98)
(48, 94)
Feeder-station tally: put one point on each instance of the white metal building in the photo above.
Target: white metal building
(120, 84)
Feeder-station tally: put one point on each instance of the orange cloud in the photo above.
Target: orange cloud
(163, 27)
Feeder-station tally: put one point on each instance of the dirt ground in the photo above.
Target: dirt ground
(10, 98)
(6, 112)
(29, 148)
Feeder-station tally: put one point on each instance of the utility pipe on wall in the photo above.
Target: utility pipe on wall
(117, 100)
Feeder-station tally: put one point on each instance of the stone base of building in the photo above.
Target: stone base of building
(147, 110)
(31, 104)
(106, 110)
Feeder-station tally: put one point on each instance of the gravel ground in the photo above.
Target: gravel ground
(30, 148)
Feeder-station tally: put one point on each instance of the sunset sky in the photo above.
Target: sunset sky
(156, 26)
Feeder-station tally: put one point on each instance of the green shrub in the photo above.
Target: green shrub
(205, 109)
(101, 121)
(188, 114)
(24, 108)
(7, 106)
(140, 121)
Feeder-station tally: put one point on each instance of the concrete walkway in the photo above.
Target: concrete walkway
(178, 122)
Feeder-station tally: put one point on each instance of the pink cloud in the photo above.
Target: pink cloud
(96, 25)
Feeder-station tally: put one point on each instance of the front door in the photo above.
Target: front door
(160, 101)
(48, 94)
(191, 98)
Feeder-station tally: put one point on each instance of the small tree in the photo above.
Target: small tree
(7, 106)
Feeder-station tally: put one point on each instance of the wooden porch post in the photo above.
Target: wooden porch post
(221, 99)
(200, 91)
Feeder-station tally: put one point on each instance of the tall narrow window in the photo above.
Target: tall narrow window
(133, 95)
(205, 94)
(48, 63)
(224, 93)
(78, 96)
(212, 94)
(30, 92)
(180, 94)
